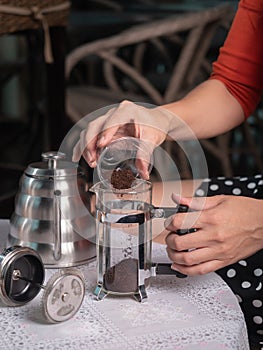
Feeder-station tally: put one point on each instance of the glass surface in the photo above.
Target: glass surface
(123, 154)
(123, 231)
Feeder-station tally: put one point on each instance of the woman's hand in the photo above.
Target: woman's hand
(127, 119)
(230, 228)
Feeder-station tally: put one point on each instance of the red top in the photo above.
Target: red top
(240, 62)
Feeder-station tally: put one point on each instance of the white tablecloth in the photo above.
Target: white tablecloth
(195, 313)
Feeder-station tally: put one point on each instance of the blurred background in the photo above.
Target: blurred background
(61, 60)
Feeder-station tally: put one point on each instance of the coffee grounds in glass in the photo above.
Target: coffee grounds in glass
(122, 277)
(122, 178)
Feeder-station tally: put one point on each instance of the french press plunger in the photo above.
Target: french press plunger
(22, 275)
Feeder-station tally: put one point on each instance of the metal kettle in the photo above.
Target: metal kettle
(52, 213)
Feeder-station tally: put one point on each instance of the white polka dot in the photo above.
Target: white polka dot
(239, 298)
(260, 331)
(259, 286)
(260, 182)
(243, 178)
(258, 176)
(236, 191)
(258, 272)
(214, 187)
(221, 178)
(231, 273)
(207, 180)
(242, 262)
(257, 303)
(257, 319)
(228, 182)
(200, 192)
(246, 284)
(251, 185)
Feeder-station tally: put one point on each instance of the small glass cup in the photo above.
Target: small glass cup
(126, 154)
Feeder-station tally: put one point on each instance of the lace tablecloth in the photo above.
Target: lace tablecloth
(195, 313)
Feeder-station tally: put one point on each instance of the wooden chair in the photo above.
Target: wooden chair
(156, 62)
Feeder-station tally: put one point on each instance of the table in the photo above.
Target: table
(195, 313)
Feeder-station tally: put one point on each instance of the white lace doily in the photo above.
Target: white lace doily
(195, 313)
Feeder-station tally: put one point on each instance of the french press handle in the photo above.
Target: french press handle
(183, 209)
(165, 268)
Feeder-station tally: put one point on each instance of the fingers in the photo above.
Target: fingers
(87, 145)
(188, 241)
(197, 261)
(118, 123)
(198, 203)
(101, 132)
(183, 221)
(80, 149)
(201, 269)
(91, 136)
(201, 215)
(192, 257)
(126, 119)
(143, 168)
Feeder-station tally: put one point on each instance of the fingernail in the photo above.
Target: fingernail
(75, 156)
(145, 174)
(101, 141)
(176, 197)
(92, 164)
(87, 156)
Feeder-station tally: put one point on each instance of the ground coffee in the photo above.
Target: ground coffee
(122, 277)
(122, 178)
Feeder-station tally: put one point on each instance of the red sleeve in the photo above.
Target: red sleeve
(240, 62)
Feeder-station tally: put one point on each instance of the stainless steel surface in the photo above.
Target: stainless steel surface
(63, 295)
(52, 213)
(15, 262)
(21, 278)
(57, 225)
(52, 158)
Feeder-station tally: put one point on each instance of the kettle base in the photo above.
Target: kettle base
(72, 253)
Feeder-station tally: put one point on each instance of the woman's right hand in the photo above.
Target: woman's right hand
(126, 119)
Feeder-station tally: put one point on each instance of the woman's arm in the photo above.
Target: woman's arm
(213, 107)
(236, 85)
(208, 110)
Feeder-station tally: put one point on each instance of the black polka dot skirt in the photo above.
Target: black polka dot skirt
(245, 277)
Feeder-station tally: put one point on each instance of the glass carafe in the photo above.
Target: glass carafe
(123, 231)
(124, 239)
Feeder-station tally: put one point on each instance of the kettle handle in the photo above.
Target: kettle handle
(57, 225)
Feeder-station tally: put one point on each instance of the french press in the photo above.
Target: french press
(124, 230)
(22, 275)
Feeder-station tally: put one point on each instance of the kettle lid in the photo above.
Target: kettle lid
(53, 164)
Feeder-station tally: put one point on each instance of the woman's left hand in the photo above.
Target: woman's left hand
(229, 228)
